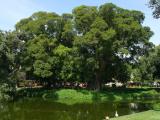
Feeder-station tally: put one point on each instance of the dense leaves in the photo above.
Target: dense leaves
(148, 68)
(10, 48)
(93, 44)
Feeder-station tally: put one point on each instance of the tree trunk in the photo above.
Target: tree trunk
(98, 84)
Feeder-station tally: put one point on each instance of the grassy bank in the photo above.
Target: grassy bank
(148, 115)
(71, 96)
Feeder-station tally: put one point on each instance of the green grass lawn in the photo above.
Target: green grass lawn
(72, 96)
(148, 115)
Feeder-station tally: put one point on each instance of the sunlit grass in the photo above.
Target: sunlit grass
(148, 115)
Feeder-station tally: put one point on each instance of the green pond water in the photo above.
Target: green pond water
(39, 109)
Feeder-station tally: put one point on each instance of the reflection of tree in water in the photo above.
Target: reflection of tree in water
(36, 109)
(4, 112)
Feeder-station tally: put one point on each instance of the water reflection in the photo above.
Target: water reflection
(36, 109)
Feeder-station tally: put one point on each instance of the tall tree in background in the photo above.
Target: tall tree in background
(149, 65)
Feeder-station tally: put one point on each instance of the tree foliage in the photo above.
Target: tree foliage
(155, 5)
(149, 65)
(93, 44)
(10, 49)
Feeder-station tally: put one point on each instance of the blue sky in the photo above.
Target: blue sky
(11, 11)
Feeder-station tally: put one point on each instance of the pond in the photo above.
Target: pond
(39, 109)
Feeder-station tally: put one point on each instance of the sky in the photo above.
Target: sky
(11, 11)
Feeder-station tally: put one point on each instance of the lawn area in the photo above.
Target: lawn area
(72, 96)
(148, 115)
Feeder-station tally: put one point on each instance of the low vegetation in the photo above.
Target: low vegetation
(71, 96)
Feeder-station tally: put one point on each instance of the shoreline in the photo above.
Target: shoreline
(73, 96)
(150, 115)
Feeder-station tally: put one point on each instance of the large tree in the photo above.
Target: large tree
(92, 44)
(113, 40)
(48, 38)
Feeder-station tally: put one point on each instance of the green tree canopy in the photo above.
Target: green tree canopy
(93, 44)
